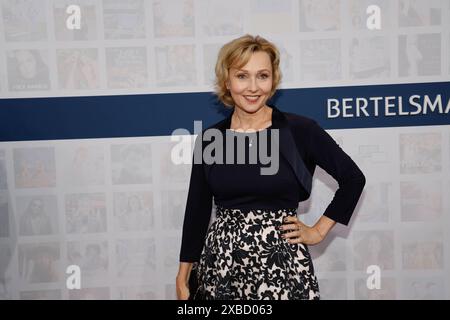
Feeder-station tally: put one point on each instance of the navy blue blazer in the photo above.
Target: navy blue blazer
(305, 145)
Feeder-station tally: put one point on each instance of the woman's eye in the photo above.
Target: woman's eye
(243, 76)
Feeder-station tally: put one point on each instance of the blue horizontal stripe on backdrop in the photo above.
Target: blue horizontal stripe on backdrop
(159, 114)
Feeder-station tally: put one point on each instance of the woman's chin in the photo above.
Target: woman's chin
(250, 107)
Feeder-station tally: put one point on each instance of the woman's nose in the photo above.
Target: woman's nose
(253, 86)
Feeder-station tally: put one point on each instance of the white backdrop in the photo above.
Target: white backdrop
(115, 206)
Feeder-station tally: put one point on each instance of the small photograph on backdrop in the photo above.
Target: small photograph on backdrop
(377, 154)
(126, 67)
(85, 213)
(173, 206)
(133, 211)
(175, 65)
(376, 203)
(279, 13)
(171, 171)
(137, 293)
(4, 216)
(90, 294)
(124, 19)
(417, 13)
(38, 215)
(131, 163)
(370, 58)
(39, 262)
(387, 290)
(221, 18)
(171, 255)
(333, 289)
(287, 53)
(320, 15)
(28, 70)
(174, 18)
(88, 21)
(420, 153)
(373, 248)
(91, 257)
(332, 256)
(41, 295)
(78, 69)
(423, 288)
(320, 59)
(419, 55)
(423, 251)
(421, 200)
(3, 176)
(6, 255)
(34, 167)
(136, 259)
(5, 292)
(24, 20)
(83, 165)
(210, 53)
(359, 15)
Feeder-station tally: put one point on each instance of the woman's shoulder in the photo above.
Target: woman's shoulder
(296, 119)
(301, 126)
(298, 122)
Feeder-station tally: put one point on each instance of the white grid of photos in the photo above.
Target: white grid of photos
(156, 46)
(115, 206)
(120, 217)
(399, 224)
(95, 204)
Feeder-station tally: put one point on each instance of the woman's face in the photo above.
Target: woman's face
(251, 85)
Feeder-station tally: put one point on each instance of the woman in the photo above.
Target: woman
(257, 248)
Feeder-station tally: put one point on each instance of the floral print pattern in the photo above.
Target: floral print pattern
(246, 258)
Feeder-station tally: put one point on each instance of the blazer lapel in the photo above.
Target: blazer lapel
(287, 147)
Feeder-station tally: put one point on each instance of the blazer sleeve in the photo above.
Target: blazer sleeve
(198, 210)
(328, 155)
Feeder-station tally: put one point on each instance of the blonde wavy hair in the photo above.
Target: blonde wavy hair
(237, 53)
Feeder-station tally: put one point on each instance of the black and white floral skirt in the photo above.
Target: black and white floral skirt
(246, 258)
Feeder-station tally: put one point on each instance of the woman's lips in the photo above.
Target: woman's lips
(252, 99)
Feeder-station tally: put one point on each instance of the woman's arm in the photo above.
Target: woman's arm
(198, 211)
(196, 220)
(328, 155)
(324, 225)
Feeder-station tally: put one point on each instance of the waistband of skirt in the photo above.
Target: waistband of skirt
(243, 213)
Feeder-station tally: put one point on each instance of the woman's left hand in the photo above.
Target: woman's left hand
(298, 232)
